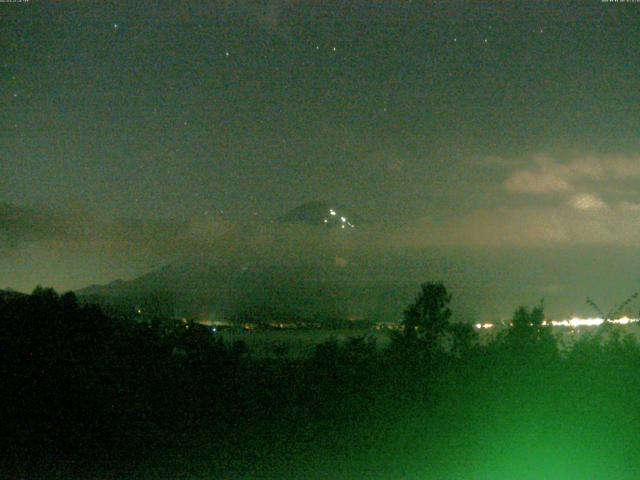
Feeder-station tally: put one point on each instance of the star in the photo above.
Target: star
(226, 54)
(115, 26)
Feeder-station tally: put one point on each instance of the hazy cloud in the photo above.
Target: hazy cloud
(587, 201)
(536, 182)
(77, 231)
(19, 225)
(545, 175)
(629, 206)
(501, 227)
(69, 248)
(584, 219)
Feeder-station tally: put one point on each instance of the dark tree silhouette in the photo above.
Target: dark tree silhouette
(529, 336)
(463, 339)
(426, 320)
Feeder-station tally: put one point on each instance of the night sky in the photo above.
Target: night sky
(133, 130)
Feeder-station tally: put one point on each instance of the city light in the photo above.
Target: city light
(573, 322)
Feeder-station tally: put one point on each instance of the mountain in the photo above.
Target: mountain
(300, 268)
(227, 290)
(486, 285)
(322, 213)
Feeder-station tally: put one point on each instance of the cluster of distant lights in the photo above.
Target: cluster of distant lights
(344, 223)
(573, 322)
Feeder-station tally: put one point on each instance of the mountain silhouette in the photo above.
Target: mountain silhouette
(323, 213)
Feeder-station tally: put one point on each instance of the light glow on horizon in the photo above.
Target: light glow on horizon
(573, 322)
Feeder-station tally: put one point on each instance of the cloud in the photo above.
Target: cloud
(584, 219)
(629, 206)
(587, 201)
(19, 225)
(490, 228)
(78, 231)
(70, 248)
(544, 175)
(539, 183)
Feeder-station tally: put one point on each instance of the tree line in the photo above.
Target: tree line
(85, 390)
